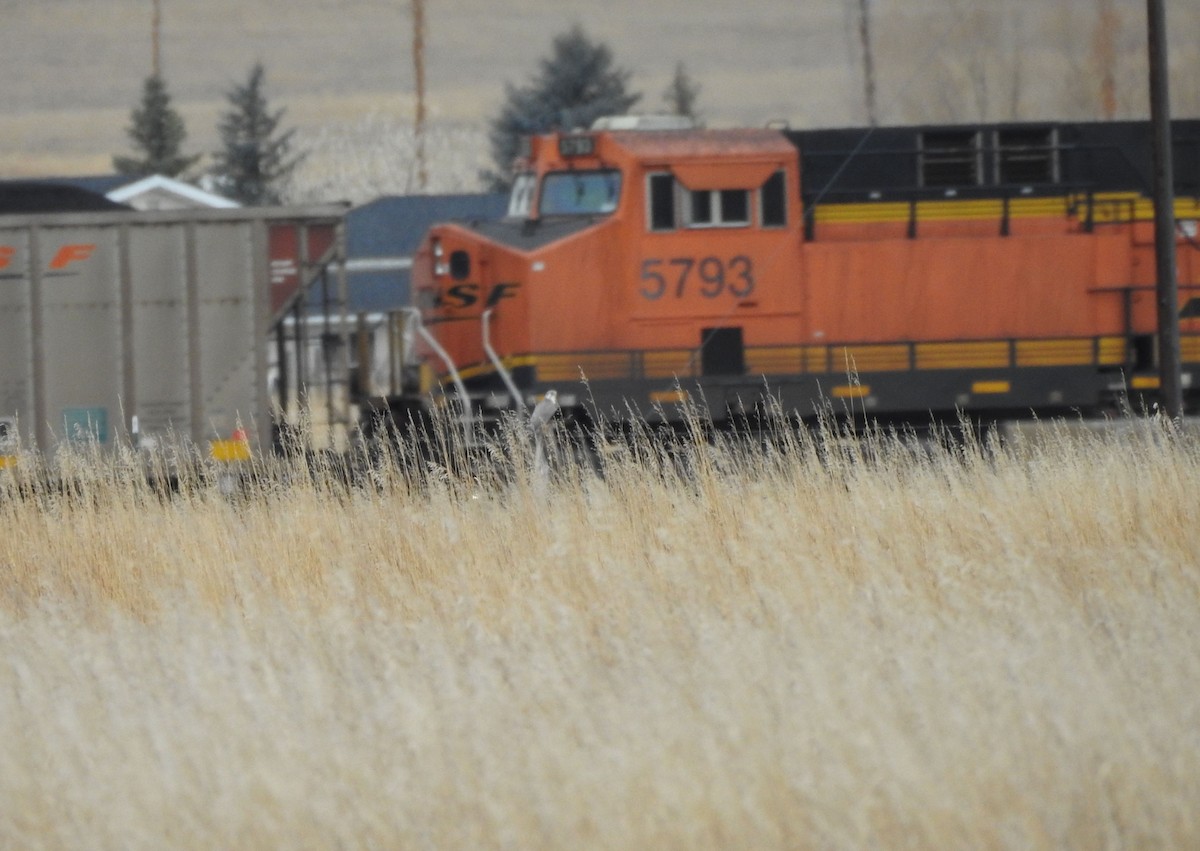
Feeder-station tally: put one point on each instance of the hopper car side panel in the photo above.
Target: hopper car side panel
(161, 316)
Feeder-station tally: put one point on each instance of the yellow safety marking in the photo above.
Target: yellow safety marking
(970, 209)
(883, 211)
(665, 364)
(880, 358)
(982, 387)
(1112, 351)
(1022, 207)
(7, 461)
(776, 360)
(1144, 382)
(477, 370)
(859, 358)
(667, 397)
(851, 391)
(1065, 352)
(986, 355)
(230, 450)
(1107, 207)
(570, 367)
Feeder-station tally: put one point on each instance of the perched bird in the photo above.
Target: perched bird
(544, 411)
(539, 421)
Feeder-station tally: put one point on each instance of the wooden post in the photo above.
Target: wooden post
(864, 34)
(418, 11)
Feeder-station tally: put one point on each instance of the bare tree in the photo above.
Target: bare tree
(1104, 57)
(418, 14)
(977, 73)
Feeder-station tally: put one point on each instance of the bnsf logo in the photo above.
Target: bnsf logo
(64, 257)
(468, 295)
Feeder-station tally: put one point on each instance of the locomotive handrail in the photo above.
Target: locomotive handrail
(468, 418)
(1083, 201)
(1066, 154)
(501, 370)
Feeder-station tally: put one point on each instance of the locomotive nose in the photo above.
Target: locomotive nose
(455, 263)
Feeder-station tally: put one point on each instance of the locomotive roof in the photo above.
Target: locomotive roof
(1105, 155)
(681, 144)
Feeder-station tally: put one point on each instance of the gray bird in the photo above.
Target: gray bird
(544, 411)
(539, 422)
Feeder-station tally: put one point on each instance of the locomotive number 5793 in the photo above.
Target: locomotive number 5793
(709, 276)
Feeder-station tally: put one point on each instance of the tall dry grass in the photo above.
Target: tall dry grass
(809, 645)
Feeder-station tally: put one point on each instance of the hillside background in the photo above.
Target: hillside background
(343, 69)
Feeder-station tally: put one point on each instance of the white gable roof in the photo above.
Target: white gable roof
(164, 193)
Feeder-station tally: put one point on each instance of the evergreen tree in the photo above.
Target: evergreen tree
(157, 132)
(574, 86)
(254, 161)
(681, 94)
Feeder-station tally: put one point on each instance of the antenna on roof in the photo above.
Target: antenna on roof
(155, 40)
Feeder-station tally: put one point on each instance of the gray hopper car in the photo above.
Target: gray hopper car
(169, 317)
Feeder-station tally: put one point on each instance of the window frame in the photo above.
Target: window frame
(716, 207)
(682, 210)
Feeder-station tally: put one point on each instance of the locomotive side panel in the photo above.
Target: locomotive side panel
(574, 290)
(955, 289)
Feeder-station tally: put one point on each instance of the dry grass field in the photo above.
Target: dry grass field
(875, 645)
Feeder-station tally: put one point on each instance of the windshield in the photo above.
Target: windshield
(573, 193)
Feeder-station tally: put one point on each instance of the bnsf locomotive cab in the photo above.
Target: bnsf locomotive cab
(895, 272)
(639, 235)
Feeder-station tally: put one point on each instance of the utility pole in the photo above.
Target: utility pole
(1167, 288)
(418, 12)
(155, 38)
(864, 35)
(1104, 48)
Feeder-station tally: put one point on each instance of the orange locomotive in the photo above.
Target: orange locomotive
(899, 272)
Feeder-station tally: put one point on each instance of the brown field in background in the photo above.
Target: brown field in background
(76, 66)
(814, 645)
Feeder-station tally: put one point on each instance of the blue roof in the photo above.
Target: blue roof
(101, 184)
(392, 228)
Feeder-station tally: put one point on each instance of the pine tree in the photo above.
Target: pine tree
(157, 132)
(680, 96)
(254, 161)
(574, 86)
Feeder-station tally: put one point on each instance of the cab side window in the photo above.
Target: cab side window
(718, 208)
(670, 205)
(661, 191)
(773, 202)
